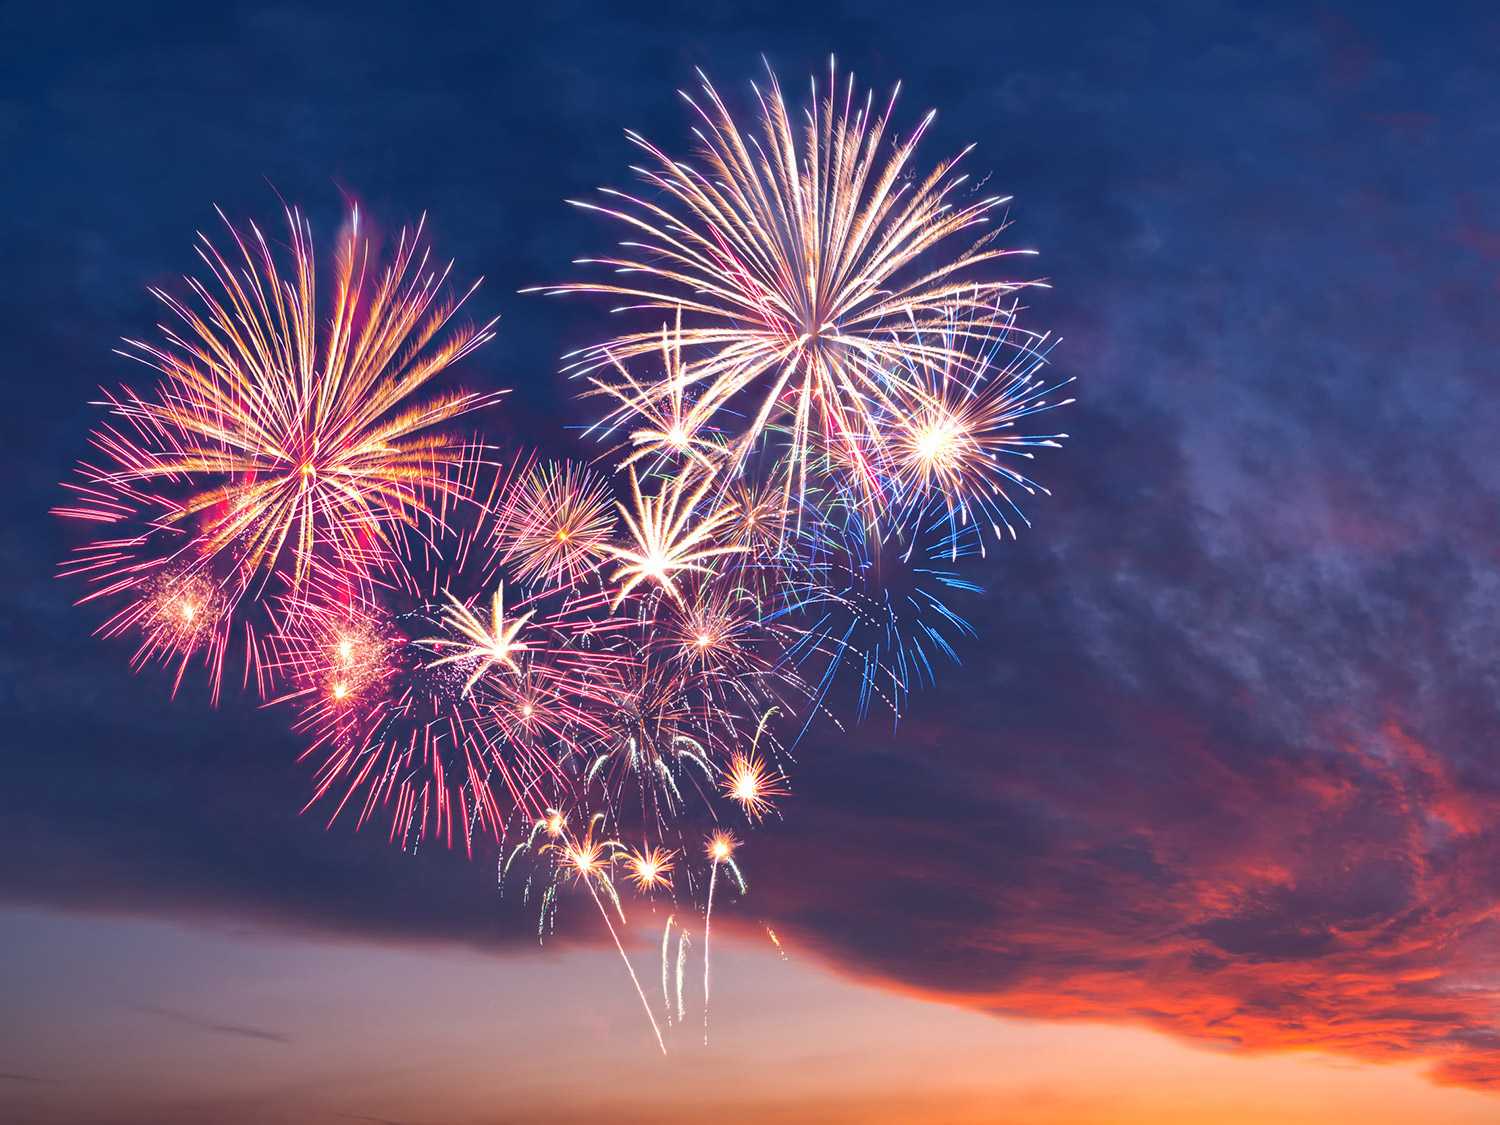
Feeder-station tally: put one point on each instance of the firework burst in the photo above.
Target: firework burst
(832, 394)
(586, 860)
(271, 446)
(558, 524)
(953, 463)
(481, 644)
(462, 695)
(666, 426)
(671, 531)
(650, 869)
(749, 783)
(810, 264)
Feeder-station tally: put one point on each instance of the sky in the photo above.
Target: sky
(1205, 825)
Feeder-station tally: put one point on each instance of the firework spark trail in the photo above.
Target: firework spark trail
(720, 850)
(629, 968)
(708, 918)
(666, 996)
(589, 861)
(776, 941)
(684, 943)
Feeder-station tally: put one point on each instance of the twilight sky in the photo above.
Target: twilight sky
(1205, 827)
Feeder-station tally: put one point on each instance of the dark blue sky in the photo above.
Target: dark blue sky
(1222, 758)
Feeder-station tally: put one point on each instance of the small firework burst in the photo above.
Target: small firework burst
(558, 525)
(178, 615)
(953, 462)
(720, 846)
(665, 428)
(333, 657)
(491, 642)
(672, 531)
(751, 784)
(649, 869)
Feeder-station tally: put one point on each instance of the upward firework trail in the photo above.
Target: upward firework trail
(720, 850)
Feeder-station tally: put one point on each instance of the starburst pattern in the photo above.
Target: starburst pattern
(751, 785)
(650, 869)
(481, 644)
(670, 534)
(556, 527)
(271, 445)
(810, 266)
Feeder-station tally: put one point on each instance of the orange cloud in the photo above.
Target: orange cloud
(1343, 902)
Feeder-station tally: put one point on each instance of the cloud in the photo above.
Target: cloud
(1198, 781)
(238, 1030)
(1220, 760)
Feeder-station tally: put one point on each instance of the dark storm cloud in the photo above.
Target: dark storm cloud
(1220, 759)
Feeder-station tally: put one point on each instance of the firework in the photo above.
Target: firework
(720, 850)
(387, 732)
(829, 406)
(670, 532)
(271, 446)
(952, 462)
(178, 614)
(584, 858)
(465, 694)
(810, 266)
(720, 846)
(665, 426)
(732, 657)
(659, 746)
(711, 630)
(666, 938)
(887, 617)
(650, 868)
(335, 658)
(589, 861)
(558, 524)
(483, 645)
(776, 941)
(751, 785)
